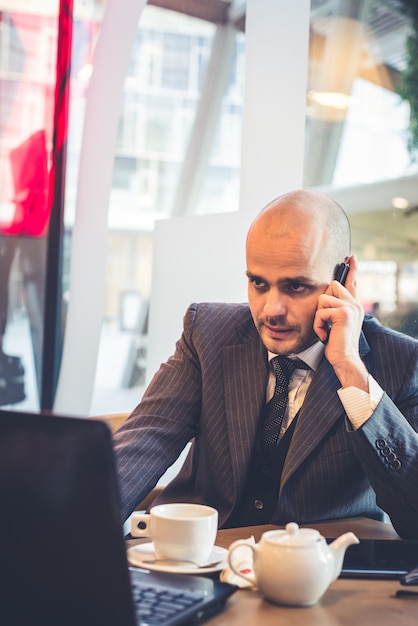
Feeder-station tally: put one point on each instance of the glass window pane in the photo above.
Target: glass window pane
(359, 147)
(27, 83)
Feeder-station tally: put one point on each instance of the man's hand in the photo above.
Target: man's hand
(338, 322)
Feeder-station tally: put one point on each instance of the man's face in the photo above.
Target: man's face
(286, 275)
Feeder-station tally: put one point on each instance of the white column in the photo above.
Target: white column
(277, 43)
(88, 253)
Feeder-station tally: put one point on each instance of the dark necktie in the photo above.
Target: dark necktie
(276, 407)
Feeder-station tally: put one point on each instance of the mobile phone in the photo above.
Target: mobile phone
(341, 272)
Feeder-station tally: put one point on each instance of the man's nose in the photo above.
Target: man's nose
(275, 305)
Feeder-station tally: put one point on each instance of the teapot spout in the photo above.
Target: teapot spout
(338, 548)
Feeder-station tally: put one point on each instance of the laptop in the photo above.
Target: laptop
(62, 551)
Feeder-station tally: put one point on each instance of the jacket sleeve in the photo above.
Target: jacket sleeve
(387, 447)
(158, 429)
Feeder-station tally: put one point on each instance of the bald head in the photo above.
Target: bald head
(318, 221)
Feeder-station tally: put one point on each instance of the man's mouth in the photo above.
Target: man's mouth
(276, 331)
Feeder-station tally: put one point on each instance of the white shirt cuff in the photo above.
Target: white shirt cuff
(358, 404)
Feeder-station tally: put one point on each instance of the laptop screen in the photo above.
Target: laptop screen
(62, 551)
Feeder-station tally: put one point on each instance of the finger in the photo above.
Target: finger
(351, 280)
(321, 328)
(321, 323)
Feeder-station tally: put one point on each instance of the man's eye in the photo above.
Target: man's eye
(258, 283)
(296, 287)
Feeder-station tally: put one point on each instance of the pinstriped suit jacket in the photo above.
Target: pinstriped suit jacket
(213, 389)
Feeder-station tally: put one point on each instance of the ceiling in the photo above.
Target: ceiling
(215, 11)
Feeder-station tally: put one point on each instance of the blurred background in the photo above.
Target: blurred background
(178, 153)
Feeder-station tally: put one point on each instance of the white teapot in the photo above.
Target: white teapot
(293, 566)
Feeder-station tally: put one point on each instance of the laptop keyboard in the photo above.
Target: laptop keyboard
(158, 606)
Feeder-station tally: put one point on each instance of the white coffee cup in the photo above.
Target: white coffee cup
(179, 531)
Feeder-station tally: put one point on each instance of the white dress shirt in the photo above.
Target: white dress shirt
(358, 404)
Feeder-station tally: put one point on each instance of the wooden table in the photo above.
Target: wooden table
(346, 602)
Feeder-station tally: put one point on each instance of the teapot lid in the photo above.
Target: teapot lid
(295, 536)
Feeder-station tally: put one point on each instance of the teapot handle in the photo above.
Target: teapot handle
(240, 567)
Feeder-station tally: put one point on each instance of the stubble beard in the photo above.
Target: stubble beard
(283, 347)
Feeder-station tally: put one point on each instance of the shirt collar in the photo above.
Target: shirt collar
(312, 355)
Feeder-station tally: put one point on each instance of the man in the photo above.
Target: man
(347, 444)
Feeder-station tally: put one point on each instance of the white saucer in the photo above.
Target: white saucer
(145, 551)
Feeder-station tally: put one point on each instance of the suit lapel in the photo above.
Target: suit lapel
(245, 377)
(321, 409)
